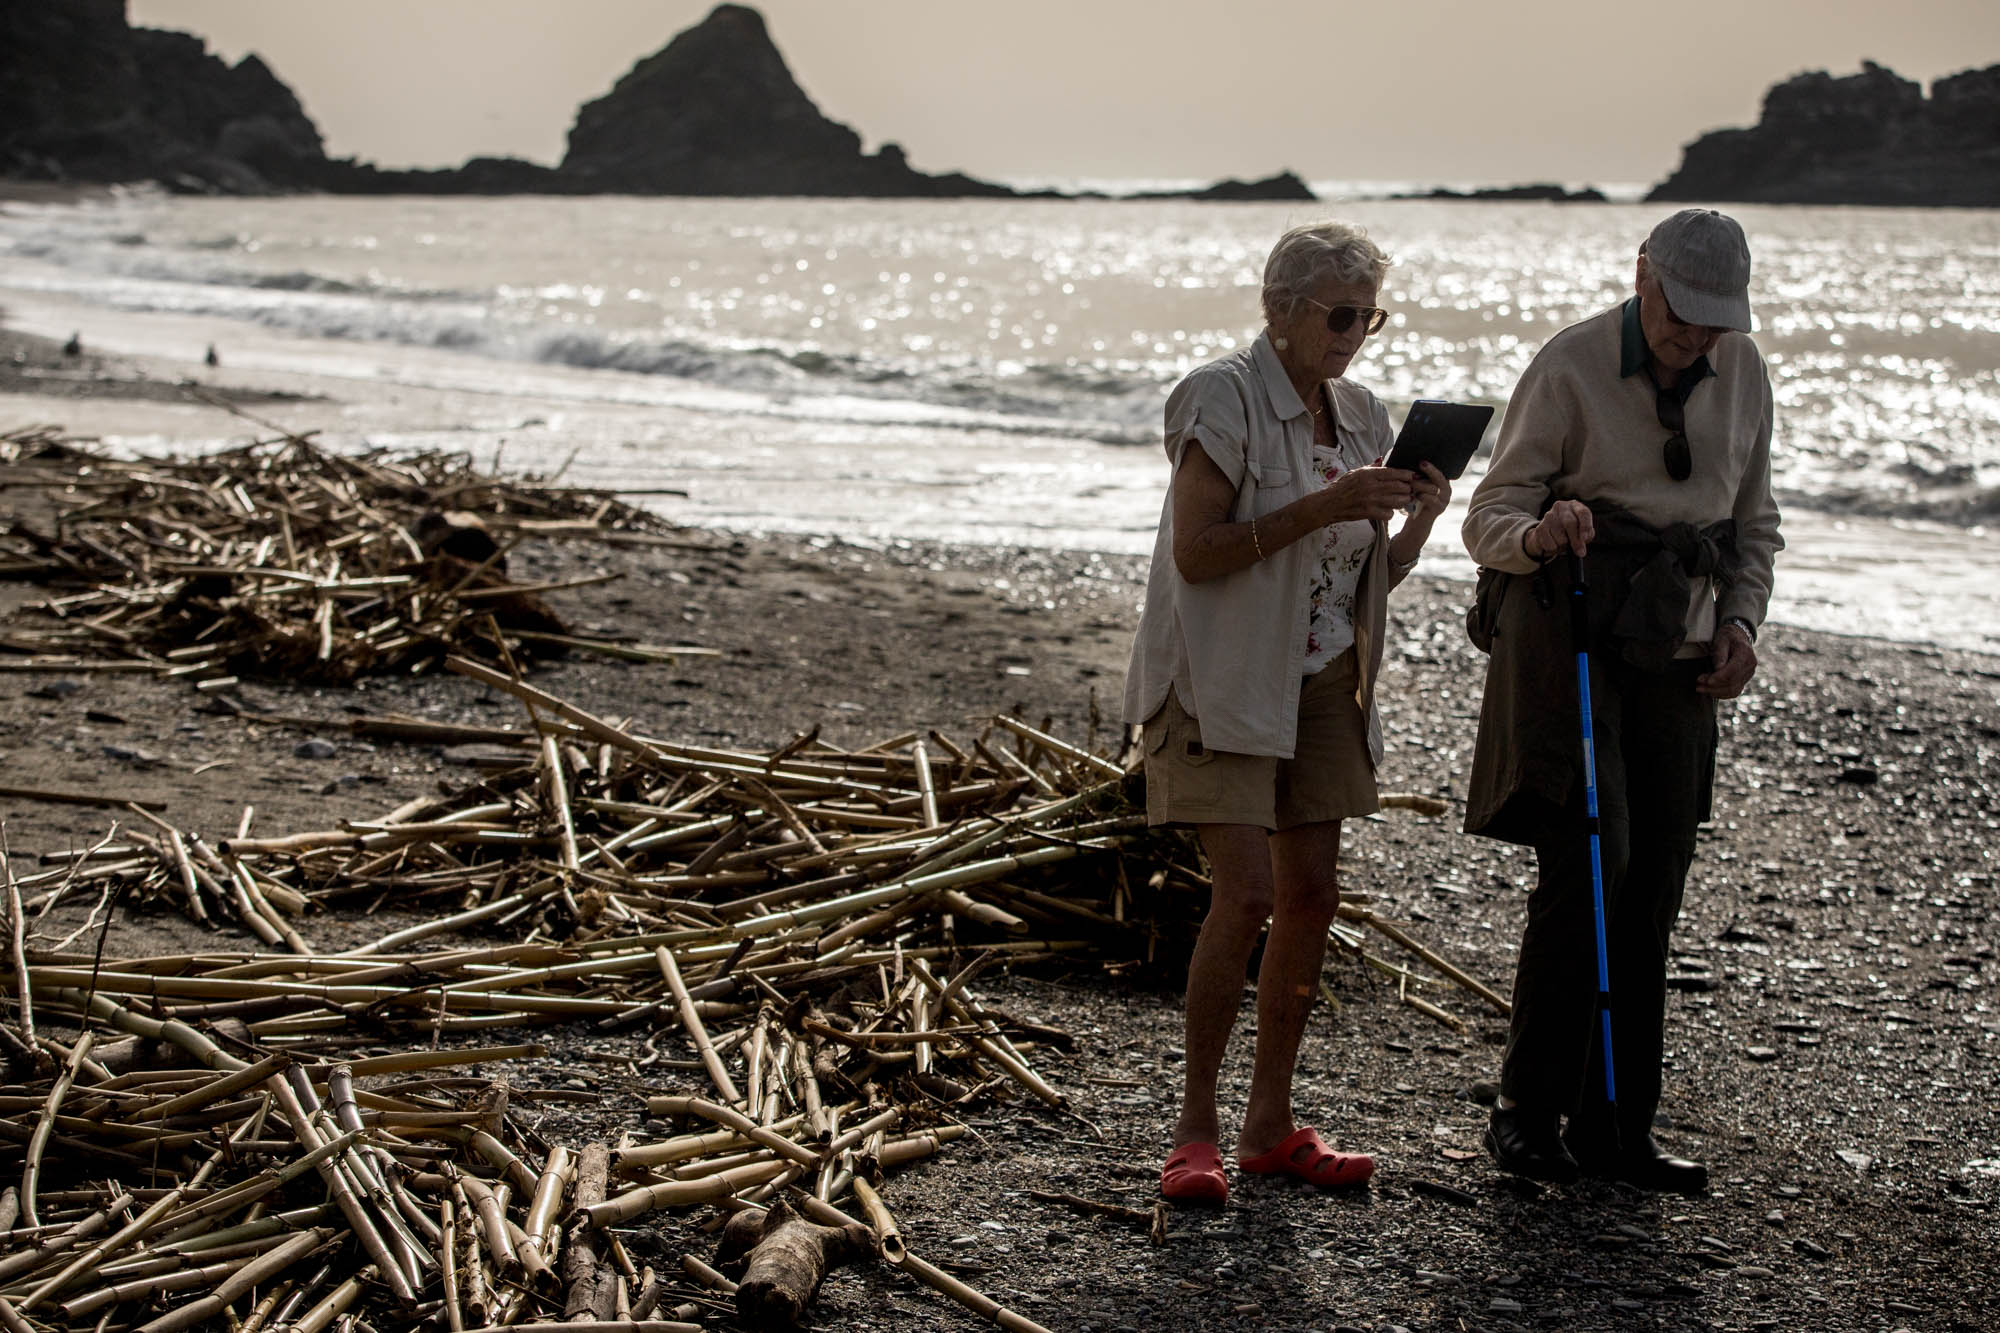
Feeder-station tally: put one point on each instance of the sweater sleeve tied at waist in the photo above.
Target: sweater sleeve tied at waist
(1641, 581)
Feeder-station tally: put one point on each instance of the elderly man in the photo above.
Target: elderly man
(1641, 438)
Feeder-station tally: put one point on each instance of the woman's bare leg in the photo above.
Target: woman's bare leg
(1306, 895)
(1239, 859)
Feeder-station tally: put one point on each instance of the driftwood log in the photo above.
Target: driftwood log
(785, 1258)
(592, 1285)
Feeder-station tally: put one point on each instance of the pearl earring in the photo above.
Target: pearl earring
(1281, 342)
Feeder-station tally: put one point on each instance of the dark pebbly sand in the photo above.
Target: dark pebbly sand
(1832, 1034)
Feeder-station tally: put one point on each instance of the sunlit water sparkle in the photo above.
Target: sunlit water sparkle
(993, 371)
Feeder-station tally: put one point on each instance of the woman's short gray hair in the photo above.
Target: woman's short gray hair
(1305, 256)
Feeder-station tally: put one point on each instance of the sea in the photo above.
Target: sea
(993, 372)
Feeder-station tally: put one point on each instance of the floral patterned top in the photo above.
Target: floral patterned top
(1333, 580)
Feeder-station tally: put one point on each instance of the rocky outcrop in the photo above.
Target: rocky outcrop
(1512, 194)
(717, 112)
(1867, 138)
(480, 175)
(1285, 187)
(86, 97)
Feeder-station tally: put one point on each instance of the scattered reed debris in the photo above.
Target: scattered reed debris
(785, 947)
(780, 950)
(285, 559)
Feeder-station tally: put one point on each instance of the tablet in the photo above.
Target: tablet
(1446, 434)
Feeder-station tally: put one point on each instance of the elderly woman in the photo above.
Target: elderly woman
(1254, 672)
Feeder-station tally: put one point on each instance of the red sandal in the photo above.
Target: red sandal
(1194, 1175)
(1303, 1154)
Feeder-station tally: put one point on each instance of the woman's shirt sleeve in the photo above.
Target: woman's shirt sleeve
(1207, 409)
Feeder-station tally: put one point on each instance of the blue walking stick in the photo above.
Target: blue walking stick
(1579, 628)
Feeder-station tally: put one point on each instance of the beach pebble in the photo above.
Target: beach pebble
(315, 749)
(55, 689)
(128, 755)
(1754, 1270)
(1811, 1249)
(1860, 1161)
(1502, 1305)
(1761, 1054)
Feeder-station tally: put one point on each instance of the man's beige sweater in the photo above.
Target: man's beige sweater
(1576, 430)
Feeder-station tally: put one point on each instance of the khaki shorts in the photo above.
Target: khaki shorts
(1328, 777)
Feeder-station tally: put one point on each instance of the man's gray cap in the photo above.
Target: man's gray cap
(1703, 263)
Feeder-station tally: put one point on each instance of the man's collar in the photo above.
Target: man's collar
(1633, 354)
(1285, 399)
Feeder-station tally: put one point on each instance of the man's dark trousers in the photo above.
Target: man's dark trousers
(1656, 742)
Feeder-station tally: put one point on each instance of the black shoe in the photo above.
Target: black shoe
(1641, 1163)
(1526, 1143)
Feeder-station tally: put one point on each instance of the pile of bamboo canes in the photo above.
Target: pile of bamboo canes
(786, 944)
(284, 559)
(198, 1186)
(807, 861)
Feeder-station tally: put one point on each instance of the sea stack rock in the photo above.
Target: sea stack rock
(84, 96)
(1867, 138)
(717, 112)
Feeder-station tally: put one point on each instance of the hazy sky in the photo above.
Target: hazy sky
(1463, 90)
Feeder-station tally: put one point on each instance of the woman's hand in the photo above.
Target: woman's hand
(1373, 493)
(1430, 492)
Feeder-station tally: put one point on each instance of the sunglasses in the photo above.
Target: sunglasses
(1340, 318)
(1675, 454)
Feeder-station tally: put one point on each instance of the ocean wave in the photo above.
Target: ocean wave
(1961, 504)
(297, 281)
(131, 255)
(206, 276)
(1090, 403)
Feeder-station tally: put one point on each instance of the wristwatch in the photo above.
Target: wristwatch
(1749, 630)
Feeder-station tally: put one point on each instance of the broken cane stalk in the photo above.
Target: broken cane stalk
(696, 1032)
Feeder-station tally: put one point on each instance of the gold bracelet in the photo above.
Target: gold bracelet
(1254, 542)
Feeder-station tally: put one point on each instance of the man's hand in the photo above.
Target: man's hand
(1734, 661)
(1567, 526)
